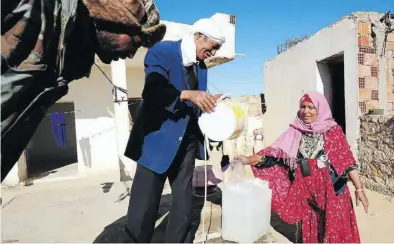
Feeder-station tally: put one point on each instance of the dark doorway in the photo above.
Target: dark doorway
(332, 72)
(263, 104)
(44, 156)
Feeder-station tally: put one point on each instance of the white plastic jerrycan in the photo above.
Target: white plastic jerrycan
(227, 122)
(246, 210)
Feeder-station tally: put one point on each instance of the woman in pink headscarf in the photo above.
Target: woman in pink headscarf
(307, 169)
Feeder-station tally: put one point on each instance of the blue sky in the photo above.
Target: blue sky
(261, 26)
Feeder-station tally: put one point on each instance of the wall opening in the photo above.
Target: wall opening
(332, 74)
(263, 104)
(44, 156)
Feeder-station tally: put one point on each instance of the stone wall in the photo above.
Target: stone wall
(253, 104)
(243, 145)
(376, 153)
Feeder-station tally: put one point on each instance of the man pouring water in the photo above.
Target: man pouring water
(165, 139)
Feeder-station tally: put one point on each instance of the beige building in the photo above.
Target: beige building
(350, 61)
(98, 118)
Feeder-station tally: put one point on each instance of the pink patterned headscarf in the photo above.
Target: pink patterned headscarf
(287, 145)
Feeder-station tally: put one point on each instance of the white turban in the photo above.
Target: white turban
(211, 29)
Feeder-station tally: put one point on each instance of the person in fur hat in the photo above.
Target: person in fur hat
(45, 44)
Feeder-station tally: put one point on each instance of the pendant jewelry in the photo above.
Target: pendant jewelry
(321, 161)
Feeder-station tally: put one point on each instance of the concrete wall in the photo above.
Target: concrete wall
(295, 71)
(376, 157)
(95, 127)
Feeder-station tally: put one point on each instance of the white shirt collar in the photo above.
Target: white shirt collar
(188, 50)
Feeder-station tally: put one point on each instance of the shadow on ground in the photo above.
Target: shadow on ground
(115, 232)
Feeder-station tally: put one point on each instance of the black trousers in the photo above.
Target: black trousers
(293, 232)
(146, 193)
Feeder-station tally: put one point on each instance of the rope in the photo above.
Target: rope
(110, 81)
(207, 153)
(206, 141)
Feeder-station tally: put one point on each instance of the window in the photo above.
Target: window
(232, 19)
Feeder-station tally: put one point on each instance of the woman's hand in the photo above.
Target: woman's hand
(359, 194)
(252, 160)
(362, 197)
(243, 159)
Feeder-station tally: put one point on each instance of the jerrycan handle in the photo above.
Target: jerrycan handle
(225, 97)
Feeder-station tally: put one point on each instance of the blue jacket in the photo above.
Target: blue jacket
(162, 117)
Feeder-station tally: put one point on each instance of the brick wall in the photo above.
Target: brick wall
(368, 81)
(368, 72)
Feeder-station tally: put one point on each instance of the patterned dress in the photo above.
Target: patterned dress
(318, 202)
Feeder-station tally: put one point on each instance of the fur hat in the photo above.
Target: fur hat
(137, 14)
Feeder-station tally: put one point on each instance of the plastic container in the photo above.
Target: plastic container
(227, 121)
(246, 210)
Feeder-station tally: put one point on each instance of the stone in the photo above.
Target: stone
(376, 153)
(372, 138)
(374, 119)
(365, 126)
(382, 120)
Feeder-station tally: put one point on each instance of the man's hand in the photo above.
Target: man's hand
(205, 101)
(217, 96)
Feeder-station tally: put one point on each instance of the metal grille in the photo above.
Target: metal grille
(232, 19)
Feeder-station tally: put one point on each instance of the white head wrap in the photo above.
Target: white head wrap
(209, 28)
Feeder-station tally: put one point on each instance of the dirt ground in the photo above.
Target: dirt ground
(81, 210)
